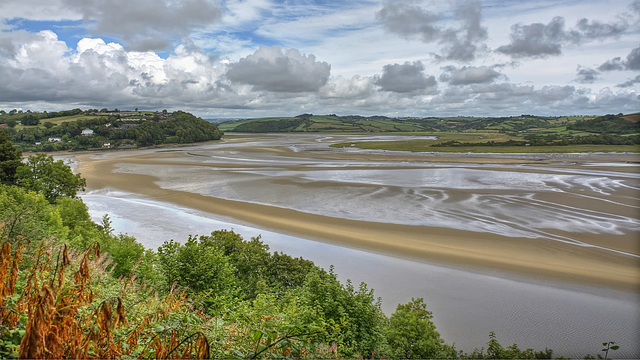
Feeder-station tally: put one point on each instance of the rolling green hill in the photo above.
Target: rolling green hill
(90, 129)
(382, 124)
(524, 133)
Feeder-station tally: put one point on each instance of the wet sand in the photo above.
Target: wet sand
(617, 266)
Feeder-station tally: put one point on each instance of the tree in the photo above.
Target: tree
(25, 215)
(412, 334)
(356, 314)
(51, 178)
(10, 160)
(30, 120)
(249, 259)
(125, 252)
(195, 265)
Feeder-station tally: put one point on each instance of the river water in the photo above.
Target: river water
(555, 200)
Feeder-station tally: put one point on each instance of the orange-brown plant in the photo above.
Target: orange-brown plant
(8, 278)
(56, 298)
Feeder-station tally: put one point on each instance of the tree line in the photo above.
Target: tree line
(28, 117)
(553, 140)
(112, 131)
(607, 124)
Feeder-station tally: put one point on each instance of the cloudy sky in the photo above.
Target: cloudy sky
(250, 58)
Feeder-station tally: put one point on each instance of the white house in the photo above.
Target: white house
(54, 139)
(87, 132)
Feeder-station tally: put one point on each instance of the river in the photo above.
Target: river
(577, 200)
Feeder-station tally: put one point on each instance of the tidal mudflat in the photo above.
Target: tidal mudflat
(534, 246)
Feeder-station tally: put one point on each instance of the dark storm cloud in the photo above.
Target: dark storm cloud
(405, 78)
(146, 24)
(458, 43)
(469, 75)
(279, 70)
(539, 40)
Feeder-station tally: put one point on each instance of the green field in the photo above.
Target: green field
(382, 124)
(58, 121)
(428, 146)
(524, 134)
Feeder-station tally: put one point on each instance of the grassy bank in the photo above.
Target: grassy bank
(421, 145)
(431, 146)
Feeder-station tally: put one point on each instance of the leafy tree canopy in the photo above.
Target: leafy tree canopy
(412, 334)
(53, 179)
(10, 159)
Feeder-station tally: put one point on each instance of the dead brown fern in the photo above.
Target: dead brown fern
(9, 316)
(55, 298)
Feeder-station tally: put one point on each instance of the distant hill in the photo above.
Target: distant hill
(382, 124)
(79, 130)
(609, 124)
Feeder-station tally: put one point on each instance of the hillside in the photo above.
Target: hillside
(524, 133)
(383, 124)
(80, 130)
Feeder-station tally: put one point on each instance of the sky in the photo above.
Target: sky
(255, 58)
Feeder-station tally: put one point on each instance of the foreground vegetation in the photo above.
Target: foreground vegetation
(91, 129)
(71, 288)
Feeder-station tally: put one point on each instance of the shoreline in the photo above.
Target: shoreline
(524, 257)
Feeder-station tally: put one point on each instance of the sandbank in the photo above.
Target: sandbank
(540, 259)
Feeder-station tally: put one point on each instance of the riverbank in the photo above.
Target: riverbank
(617, 266)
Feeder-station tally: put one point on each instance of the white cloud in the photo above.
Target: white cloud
(39, 10)
(469, 75)
(536, 40)
(328, 57)
(460, 40)
(406, 78)
(146, 24)
(541, 40)
(43, 68)
(340, 88)
(587, 75)
(241, 12)
(280, 70)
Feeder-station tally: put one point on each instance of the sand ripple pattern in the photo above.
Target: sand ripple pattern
(523, 200)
